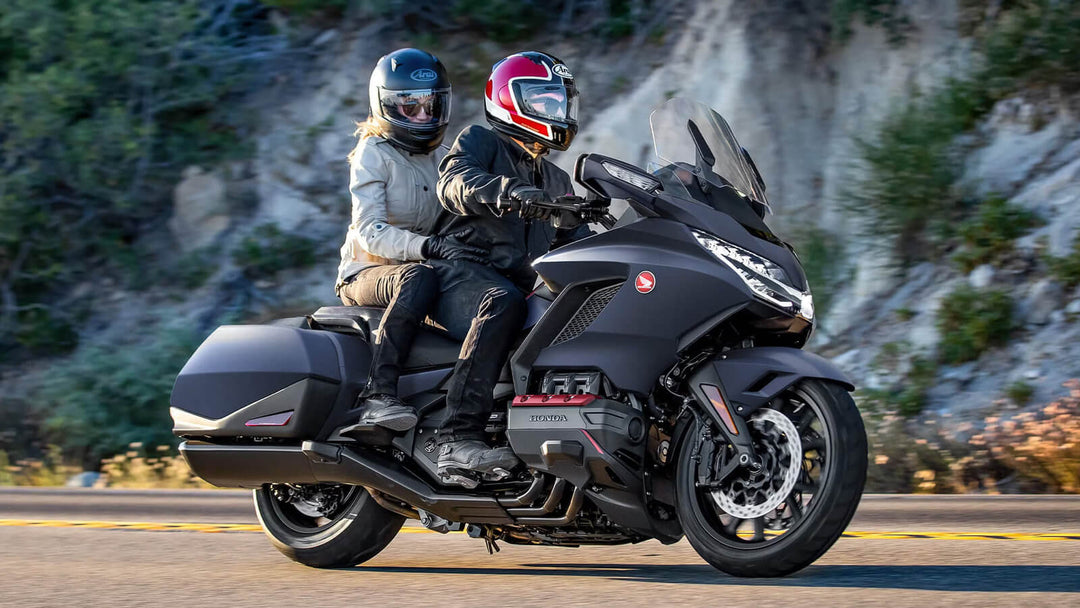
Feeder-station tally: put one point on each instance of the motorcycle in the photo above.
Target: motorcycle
(658, 390)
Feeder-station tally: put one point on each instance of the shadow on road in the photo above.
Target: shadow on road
(929, 578)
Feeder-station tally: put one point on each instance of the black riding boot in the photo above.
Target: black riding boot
(382, 410)
(464, 461)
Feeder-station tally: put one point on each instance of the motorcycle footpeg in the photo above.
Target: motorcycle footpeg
(362, 432)
(457, 478)
(498, 474)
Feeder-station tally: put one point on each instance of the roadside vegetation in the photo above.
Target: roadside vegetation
(108, 396)
(1066, 269)
(822, 257)
(971, 321)
(137, 467)
(909, 191)
(989, 235)
(910, 376)
(498, 20)
(101, 106)
(1016, 452)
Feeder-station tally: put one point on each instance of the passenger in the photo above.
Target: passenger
(495, 183)
(393, 173)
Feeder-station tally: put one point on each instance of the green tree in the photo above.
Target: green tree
(109, 396)
(101, 103)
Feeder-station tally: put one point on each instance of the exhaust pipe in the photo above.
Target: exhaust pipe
(251, 466)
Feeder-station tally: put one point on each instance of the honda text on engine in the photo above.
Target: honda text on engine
(657, 390)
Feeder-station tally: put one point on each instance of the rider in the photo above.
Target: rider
(393, 173)
(494, 183)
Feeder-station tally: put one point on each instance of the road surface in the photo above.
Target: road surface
(46, 562)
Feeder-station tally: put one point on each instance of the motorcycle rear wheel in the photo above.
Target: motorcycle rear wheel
(811, 514)
(327, 525)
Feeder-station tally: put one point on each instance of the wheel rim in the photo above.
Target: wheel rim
(749, 512)
(309, 509)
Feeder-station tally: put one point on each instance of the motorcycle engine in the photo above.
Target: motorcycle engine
(578, 383)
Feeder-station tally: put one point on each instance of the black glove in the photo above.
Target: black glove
(454, 246)
(567, 220)
(526, 200)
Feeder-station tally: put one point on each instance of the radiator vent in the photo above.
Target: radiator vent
(589, 311)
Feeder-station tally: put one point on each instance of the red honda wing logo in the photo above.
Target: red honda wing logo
(645, 281)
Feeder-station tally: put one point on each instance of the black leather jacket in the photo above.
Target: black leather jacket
(484, 165)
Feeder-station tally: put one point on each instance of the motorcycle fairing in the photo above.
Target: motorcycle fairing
(637, 336)
(749, 378)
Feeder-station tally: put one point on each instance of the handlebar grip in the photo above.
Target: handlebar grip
(565, 203)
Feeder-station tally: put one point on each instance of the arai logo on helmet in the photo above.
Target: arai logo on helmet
(423, 75)
(562, 70)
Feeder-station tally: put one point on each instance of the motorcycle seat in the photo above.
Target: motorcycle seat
(433, 347)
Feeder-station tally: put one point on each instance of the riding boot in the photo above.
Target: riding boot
(468, 458)
(382, 410)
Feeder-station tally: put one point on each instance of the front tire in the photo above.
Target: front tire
(325, 525)
(811, 515)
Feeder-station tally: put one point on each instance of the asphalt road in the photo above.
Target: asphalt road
(57, 566)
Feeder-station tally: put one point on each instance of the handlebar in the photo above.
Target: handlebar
(588, 210)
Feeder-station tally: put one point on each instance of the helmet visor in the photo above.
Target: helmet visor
(553, 101)
(416, 108)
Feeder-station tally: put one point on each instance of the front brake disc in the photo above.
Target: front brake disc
(732, 502)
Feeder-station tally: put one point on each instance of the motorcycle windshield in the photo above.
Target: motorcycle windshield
(691, 138)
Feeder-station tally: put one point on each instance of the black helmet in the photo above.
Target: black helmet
(531, 96)
(409, 97)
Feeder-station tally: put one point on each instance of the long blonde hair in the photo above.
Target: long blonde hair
(363, 131)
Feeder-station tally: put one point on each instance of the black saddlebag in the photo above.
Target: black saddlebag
(266, 381)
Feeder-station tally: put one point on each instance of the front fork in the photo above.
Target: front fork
(733, 429)
(734, 433)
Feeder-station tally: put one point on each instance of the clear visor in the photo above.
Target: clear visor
(422, 107)
(550, 101)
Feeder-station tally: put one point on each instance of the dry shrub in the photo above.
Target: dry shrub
(49, 470)
(930, 462)
(1034, 451)
(138, 469)
(1043, 445)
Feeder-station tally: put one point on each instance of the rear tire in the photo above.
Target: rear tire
(356, 529)
(814, 526)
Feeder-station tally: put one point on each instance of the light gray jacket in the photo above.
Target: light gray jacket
(394, 206)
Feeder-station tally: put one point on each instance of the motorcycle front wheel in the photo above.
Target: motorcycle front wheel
(325, 525)
(781, 518)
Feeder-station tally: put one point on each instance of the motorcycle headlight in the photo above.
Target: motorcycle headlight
(765, 278)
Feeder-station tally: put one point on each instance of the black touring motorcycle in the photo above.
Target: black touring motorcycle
(658, 390)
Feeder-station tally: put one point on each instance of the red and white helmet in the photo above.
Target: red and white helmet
(531, 96)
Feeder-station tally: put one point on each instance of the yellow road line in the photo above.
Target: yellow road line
(964, 535)
(153, 526)
(217, 528)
